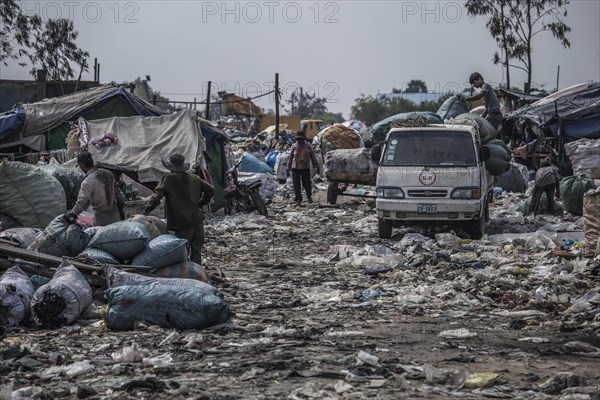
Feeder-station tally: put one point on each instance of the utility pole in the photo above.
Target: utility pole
(207, 109)
(557, 77)
(277, 106)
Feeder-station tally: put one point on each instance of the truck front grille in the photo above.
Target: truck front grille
(427, 193)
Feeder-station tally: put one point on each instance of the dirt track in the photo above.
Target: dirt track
(306, 325)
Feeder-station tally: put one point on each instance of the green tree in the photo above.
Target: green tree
(306, 105)
(515, 23)
(416, 86)
(368, 109)
(331, 118)
(15, 31)
(372, 110)
(54, 50)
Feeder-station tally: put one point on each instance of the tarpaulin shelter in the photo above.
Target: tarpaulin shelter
(44, 125)
(216, 140)
(576, 110)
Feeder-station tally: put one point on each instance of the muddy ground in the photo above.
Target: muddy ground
(314, 323)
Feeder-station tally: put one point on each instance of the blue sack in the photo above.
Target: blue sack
(161, 252)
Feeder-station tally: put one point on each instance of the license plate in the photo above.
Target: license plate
(427, 208)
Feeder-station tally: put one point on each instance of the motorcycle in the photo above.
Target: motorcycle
(243, 197)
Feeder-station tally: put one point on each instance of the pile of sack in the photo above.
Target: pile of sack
(184, 303)
(141, 240)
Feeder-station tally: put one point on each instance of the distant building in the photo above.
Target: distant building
(416, 98)
(13, 92)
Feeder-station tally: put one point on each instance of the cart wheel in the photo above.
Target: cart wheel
(332, 193)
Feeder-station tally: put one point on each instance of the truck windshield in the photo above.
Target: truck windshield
(434, 148)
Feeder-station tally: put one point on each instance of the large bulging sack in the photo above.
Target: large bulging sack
(61, 239)
(591, 217)
(351, 165)
(452, 107)
(154, 225)
(584, 155)
(486, 130)
(69, 178)
(281, 166)
(379, 130)
(177, 307)
(572, 189)
(250, 163)
(499, 161)
(29, 195)
(16, 291)
(97, 256)
(163, 251)
(339, 137)
(62, 300)
(186, 269)
(115, 277)
(512, 180)
(123, 239)
(22, 236)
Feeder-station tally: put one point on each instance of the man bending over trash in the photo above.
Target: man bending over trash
(547, 180)
(185, 194)
(98, 189)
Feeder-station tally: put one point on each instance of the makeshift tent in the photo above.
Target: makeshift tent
(217, 160)
(578, 108)
(142, 142)
(44, 125)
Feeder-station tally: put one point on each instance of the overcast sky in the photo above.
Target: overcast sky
(335, 49)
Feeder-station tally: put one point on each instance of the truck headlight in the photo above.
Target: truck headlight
(466, 193)
(394, 193)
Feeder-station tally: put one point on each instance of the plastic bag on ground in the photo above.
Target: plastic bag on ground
(62, 300)
(16, 291)
(543, 206)
(61, 239)
(21, 189)
(21, 236)
(115, 278)
(123, 239)
(166, 306)
(162, 251)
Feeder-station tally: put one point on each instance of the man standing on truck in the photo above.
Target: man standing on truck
(546, 180)
(490, 100)
(301, 155)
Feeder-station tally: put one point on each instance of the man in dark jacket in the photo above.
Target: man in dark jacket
(185, 194)
(546, 180)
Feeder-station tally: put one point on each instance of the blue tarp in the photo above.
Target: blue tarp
(11, 123)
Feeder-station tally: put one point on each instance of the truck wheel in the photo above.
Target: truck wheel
(384, 228)
(476, 228)
(332, 193)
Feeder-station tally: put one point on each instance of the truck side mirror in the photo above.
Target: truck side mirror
(376, 152)
(484, 153)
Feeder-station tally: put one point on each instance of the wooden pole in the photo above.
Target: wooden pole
(207, 109)
(277, 106)
(557, 77)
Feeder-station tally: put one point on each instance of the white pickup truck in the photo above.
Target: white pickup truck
(433, 173)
